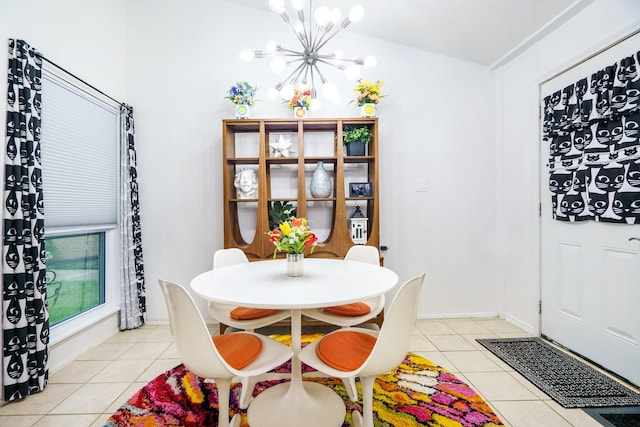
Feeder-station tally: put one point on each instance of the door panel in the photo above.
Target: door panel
(569, 280)
(590, 271)
(619, 300)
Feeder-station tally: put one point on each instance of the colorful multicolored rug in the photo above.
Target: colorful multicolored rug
(416, 393)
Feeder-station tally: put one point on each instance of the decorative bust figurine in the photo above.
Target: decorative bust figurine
(246, 184)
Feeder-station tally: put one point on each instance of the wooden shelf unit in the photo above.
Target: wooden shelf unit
(246, 144)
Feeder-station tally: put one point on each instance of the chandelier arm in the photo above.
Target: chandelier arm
(290, 52)
(324, 81)
(320, 44)
(302, 41)
(307, 39)
(313, 84)
(306, 34)
(285, 17)
(310, 45)
(324, 59)
(341, 67)
(302, 68)
(293, 61)
(294, 71)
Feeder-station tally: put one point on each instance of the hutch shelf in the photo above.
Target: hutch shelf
(281, 155)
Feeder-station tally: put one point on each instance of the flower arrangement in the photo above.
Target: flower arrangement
(368, 92)
(301, 98)
(292, 236)
(242, 93)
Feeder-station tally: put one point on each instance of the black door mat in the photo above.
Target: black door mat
(564, 378)
(627, 416)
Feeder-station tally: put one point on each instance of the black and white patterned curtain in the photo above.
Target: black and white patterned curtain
(133, 310)
(25, 319)
(594, 152)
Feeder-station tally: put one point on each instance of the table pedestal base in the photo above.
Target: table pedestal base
(283, 405)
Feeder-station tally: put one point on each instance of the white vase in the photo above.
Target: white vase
(295, 265)
(320, 182)
(368, 110)
(299, 112)
(242, 111)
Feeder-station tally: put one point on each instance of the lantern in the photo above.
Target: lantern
(358, 227)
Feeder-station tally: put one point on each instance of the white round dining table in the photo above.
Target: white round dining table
(265, 284)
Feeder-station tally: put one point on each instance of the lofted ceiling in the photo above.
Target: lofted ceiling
(481, 31)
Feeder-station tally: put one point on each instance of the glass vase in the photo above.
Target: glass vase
(295, 265)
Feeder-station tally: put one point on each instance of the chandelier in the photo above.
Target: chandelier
(313, 35)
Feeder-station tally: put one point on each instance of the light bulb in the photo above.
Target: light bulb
(278, 64)
(247, 55)
(335, 100)
(352, 72)
(356, 13)
(370, 61)
(338, 54)
(297, 4)
(277, 5)
(272, 46)
(299, 27)
(322, 16)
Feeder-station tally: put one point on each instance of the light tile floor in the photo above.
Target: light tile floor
(91, 388)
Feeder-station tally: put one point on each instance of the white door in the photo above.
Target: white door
(590, 271)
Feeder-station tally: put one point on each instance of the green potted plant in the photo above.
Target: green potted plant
(355, 138)
(280, 212)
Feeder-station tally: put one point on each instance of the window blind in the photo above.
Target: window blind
(79, 145)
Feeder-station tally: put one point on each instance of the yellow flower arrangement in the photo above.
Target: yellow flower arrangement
(369, 92)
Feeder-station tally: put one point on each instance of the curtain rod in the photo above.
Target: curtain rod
(44, 58)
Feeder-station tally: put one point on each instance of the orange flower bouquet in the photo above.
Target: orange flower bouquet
(301, 98)
(293, 236)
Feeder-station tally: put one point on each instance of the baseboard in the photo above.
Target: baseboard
(522, 325)
(483, 315)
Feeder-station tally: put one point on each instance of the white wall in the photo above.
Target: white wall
(436, 124)
(518, 146)
(87, 38)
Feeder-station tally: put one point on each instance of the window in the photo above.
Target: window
(77, 262)
(80, 145)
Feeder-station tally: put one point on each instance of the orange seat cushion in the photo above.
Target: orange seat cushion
(238, 349)
(345, 350)
(353, 309)
(246, 313)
